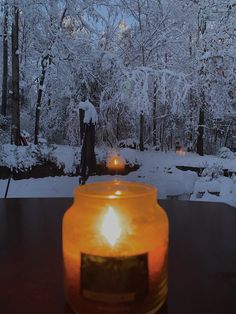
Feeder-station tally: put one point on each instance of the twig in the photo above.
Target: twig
(8, 184)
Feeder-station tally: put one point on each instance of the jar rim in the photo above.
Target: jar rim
(115, 190)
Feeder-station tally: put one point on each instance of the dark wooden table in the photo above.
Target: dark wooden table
(202, 257)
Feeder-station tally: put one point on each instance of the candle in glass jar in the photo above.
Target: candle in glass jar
(116, 163)
(115, 245)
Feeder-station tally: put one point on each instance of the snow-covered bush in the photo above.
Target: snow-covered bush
(226, 153)
(212, 172)
(66, 158)
(129, 143)
(44, 152)
(4, 137)
(4, 129)
(18, 157)
(3, 121)
(22, 158)
(4, 155)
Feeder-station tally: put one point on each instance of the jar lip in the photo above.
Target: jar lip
(93, 190)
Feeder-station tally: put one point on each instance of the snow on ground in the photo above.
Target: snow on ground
(172, 159)
(194, 160)
(156, 168)
(67, 158)
(25, 157)
(220, 189)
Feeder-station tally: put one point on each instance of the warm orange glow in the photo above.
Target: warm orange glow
(111, 228)
(116, 163)
(180, 152)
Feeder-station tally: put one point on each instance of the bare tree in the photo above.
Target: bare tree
(141, 130)
(44, 63)
(201, 126)
(154, 115)
(5, 61)
(15, 78)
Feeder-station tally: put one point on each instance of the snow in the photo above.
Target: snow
(25, 157)
(21, 157)
(208, 197)
(45, 187)
(68, 158)
(194, 160)
(225, 152)
(90, 111)
(221, 189)
(156, 168)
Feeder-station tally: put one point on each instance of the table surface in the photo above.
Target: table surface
(202, 257)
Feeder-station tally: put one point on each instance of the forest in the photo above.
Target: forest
(117, 156)
(159, 72)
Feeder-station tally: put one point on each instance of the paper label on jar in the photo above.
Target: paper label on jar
(114, 280)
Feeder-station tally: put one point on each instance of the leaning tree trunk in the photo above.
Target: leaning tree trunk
(200, 141)
(44, 64)
(5, 62)
(15, 78)
(141, 132)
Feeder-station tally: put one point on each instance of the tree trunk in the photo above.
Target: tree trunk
(154, 113)
(160, 133)
(5, 62)
(15, 78)
(163, 128)
(81, 123)
(39, 98)
(118, 126)
(141, 134)
(227, 133)
(163, 134)
(191, 128)
(200, 142)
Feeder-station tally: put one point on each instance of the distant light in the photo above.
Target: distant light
(181, 152)
(116, 163)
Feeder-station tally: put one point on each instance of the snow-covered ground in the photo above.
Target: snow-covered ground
(156, 168)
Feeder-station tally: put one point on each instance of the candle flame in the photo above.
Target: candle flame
(111, 229)
(116, 163)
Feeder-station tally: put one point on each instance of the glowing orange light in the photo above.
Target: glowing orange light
(116, 163)
(181, 152)
(111, 229)
(115, 231)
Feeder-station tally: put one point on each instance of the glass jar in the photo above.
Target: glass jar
(115, 247)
